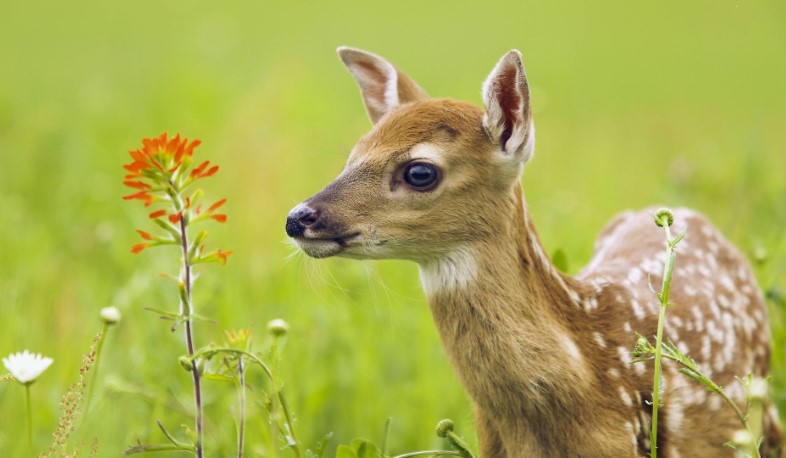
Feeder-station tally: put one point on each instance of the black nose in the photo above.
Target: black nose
(299, 219)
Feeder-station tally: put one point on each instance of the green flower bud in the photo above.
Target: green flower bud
(444, 427)
(642, 347)
(664, 217)
(111, 315)
(186, 362)
(278, 327)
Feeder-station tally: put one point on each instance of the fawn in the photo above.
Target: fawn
(544, 356)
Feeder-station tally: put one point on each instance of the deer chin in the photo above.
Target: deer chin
(325, 247)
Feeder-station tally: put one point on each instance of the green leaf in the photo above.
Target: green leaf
(218, 378)
(677, 240)
(368, 450)
(345, 451)
(164, 314)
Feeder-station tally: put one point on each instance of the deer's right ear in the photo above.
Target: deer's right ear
(508, 117)
(382, 85)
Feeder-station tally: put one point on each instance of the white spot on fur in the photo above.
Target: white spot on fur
(591, 304)
(638, 310)
(599, 339)
(704, 271)
(634, 276)
(675, 416)
(571, 348)
(457, 270)
(614, 372)
(624, 354)
(727, 283)
(706, 348)
(715, 402)
(699, 319)
(626, 399)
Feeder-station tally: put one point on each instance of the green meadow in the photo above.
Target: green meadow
(636, 104)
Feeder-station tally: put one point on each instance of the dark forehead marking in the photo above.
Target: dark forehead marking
(426, 120)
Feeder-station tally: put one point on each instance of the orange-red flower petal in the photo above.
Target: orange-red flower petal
(216, 205)
(174, 218)
(145, 235)
(223, 255)
(136, 249)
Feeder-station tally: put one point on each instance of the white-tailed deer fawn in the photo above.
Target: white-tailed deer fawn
(545, 357)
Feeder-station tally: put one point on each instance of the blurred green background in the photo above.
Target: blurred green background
(674, 103)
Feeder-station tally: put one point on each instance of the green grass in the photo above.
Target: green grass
(679, 105)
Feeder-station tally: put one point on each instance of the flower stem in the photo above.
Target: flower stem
(190, 338)
(29, 419)
(668, 268)
(92, 384)
(279, 391)
(242, 377)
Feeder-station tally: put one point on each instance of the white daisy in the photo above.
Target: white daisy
(26, 366)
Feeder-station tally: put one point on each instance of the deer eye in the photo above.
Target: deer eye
(421, 176)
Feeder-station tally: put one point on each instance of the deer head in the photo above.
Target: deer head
(432, 176)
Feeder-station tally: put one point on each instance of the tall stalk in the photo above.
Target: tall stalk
(664, 220)
(241, 429)
(29, 419)
(161, 173)
(190, 338)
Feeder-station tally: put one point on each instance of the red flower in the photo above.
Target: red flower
(161, 172)
(159, 155)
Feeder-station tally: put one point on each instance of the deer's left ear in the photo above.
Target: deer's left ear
(383, 86)
(508, 116)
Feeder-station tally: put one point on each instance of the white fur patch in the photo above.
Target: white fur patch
(638, 310)
(599, 339)
(571, 348)
(427, 152)
(626, 399)
(675, 416)
(457, 270)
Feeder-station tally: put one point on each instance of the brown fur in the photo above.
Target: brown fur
(546, 357)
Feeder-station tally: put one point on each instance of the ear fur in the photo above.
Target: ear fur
(382, 85)
(508, 116)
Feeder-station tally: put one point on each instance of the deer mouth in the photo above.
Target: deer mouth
(323, 247)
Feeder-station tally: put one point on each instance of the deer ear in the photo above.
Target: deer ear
(383, 86)
(508, 118)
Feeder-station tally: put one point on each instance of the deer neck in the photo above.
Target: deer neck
(504, 314)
